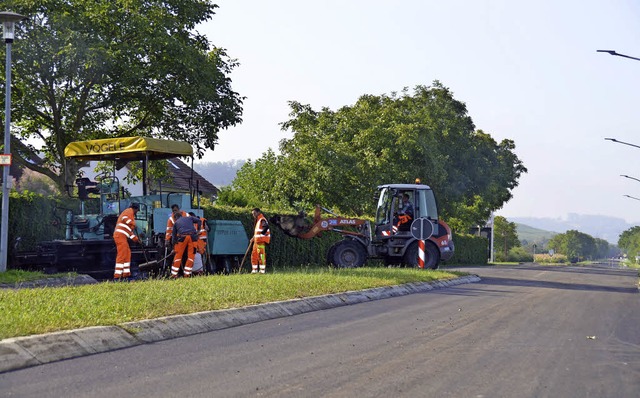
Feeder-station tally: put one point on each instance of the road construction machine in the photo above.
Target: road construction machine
(385, 238)
(88, 246)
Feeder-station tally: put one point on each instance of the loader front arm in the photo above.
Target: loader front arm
(342, 225)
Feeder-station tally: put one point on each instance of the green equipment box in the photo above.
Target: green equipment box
(227, 237)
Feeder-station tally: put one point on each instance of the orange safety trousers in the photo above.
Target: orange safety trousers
(259, 257)
(188, 245)
(201, 246)
(123, 257)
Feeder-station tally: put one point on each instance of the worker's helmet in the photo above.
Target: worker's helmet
(135, 205)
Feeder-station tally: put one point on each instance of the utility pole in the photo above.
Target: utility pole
(9, 20)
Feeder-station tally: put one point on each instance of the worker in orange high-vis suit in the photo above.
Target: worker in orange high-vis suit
(201, 245)
(169, 233)
(402, 219)
(125, 230)
(261, 238)
(185, 235)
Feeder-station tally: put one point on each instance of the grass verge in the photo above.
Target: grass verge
(13, 276)
(25, 312)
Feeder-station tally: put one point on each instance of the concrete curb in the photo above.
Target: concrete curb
(22, 352)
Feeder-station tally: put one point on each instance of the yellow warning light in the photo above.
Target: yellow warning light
(417, 181)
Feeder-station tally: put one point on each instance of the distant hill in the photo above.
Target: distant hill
(603, 227)
(530, 235)
(219, 174)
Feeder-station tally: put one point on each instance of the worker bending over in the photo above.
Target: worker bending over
(184, 236)
(172, 219)
(200, 245)
(261, 238)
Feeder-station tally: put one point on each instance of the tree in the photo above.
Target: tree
(37, 183)
(629, 241)
(254, 184)
(505, 236)
(578, 246)
(602, 249)
(337, 158)
(87, 69)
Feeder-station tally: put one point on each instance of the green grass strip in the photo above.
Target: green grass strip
(13, 276)
(26, 312)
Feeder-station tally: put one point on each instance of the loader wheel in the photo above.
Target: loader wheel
(347, 254)
(330, 254)
(432, 255)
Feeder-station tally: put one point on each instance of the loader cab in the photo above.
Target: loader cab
(390, 202)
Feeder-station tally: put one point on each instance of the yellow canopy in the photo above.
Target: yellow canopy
(131, 148)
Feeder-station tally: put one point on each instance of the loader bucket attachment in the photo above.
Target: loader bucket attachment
(293, 226)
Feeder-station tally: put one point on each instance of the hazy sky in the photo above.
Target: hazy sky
(527, 71)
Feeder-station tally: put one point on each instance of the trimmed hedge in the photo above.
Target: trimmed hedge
(35, 218)
(469, 250)
(283, 251)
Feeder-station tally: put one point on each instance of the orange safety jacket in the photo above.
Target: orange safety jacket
(170, 222)
(204, 229)
(261, 233)
(126, 224)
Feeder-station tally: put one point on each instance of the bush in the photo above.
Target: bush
(229, 197)
(547, 259)
(283, 251)
(34, 218)
(470, 249)
(520, 255)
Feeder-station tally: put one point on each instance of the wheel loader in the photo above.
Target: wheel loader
(362, 239)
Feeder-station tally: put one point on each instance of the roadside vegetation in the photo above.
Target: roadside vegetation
(571, 247)
(16, 276)
(31, 311)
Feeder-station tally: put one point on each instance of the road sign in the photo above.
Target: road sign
(5, 160)
(422, 228)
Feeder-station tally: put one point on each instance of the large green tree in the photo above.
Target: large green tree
(629, 241)
(337, 158)
(89, 69)
(577, 245)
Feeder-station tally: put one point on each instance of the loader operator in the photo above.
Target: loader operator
(185, 235)
(125, 230)
(402, 220)
(261, 238)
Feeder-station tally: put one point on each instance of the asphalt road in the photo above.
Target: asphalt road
(520, 332)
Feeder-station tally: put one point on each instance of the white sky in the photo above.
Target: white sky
(528, 71)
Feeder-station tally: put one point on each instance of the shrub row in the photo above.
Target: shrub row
(555, 259)
(469, 249)
(34, 218)
(284, 251)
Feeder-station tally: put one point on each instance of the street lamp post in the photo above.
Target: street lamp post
(8, 20)
(622, 142)
(613, 52)
(629, 177)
